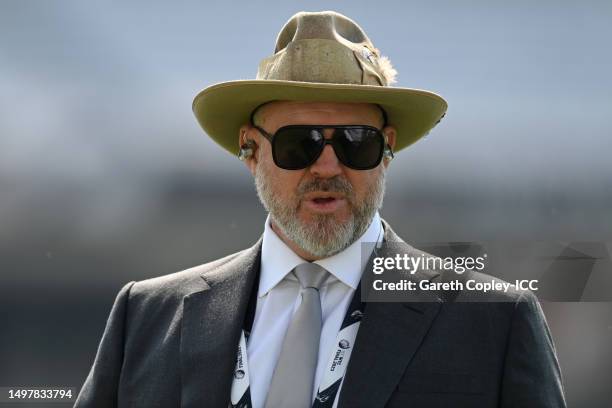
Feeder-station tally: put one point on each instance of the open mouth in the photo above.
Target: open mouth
(323, 202)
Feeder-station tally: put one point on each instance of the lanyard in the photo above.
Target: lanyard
(336, 367)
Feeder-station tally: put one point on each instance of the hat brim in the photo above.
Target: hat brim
(223, 108)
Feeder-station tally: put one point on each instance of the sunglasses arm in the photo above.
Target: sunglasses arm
(263, 132)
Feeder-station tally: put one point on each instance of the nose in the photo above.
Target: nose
(327, 165)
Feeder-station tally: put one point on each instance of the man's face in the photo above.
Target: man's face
(325, 207)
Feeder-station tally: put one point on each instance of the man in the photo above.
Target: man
(282, 324)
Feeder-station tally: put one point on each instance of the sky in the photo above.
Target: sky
(96, 96)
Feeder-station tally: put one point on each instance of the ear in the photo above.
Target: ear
(248, 144)
(391, 135)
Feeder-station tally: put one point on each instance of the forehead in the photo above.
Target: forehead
(279, 113)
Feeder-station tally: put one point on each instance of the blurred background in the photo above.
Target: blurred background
(105, 176)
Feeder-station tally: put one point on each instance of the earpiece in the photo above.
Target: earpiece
(388, 153)
(246, 150)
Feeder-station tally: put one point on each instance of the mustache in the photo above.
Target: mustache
(335, 184)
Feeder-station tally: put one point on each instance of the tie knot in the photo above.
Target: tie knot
(310, 275)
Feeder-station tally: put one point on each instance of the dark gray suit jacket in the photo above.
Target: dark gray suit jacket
(171, 341)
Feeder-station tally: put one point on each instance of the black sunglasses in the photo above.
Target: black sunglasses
(359, 147)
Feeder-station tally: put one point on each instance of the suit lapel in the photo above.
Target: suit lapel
(211, 325)
(388, 338)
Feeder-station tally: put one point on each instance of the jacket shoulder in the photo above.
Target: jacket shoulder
(178, 284)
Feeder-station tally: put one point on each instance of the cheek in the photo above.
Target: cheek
(284, 182)
(287, 185)
(362, 181)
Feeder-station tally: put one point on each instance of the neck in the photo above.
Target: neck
(307, 256)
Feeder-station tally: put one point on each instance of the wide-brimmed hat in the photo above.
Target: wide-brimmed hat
(321, 56)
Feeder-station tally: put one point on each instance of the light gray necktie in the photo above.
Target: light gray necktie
(293, 378)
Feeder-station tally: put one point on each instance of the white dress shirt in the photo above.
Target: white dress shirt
(278, 298)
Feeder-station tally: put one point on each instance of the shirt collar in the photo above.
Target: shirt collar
(278, 260)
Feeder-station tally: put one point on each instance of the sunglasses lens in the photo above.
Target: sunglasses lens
(359, 148)
(296, 148)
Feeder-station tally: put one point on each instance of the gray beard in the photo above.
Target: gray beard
(325, 236)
